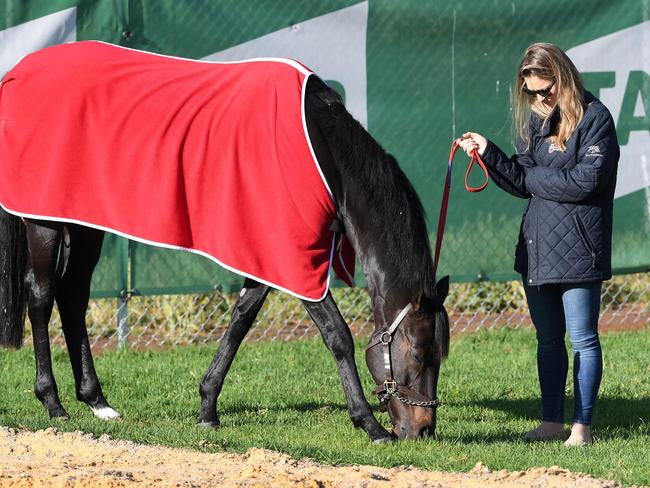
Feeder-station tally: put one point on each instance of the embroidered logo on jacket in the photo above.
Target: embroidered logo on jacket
(593, 151)
(552, 148)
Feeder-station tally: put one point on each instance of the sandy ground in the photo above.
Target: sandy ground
(54, 459)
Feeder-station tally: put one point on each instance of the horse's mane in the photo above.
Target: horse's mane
(390, 202)
(393, 207)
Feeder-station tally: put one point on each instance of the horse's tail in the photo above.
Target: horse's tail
(13, 289)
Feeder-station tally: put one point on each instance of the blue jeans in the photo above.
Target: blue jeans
(555, 309)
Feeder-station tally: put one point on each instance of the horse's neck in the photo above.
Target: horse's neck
(379, 273)
(352, 210)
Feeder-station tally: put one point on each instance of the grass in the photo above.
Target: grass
(287, 396)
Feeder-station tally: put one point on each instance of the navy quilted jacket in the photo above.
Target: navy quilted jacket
(566, 230)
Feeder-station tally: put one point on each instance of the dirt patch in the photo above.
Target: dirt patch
(54, 459)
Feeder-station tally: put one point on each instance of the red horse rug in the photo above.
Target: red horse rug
(209, 157)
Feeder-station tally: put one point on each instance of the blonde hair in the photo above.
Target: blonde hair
(549, 62)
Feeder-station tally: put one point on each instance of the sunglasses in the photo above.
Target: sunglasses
(544, 92)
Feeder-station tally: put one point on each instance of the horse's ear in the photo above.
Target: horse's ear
(442, 288)
(417, 301)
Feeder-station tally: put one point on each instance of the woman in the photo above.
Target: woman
(565, 165)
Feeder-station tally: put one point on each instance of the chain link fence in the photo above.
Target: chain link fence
(172, 320)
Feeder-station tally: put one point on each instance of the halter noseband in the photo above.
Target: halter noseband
(390, 388)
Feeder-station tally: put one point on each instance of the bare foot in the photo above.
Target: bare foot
(547, 431)
(580, 435)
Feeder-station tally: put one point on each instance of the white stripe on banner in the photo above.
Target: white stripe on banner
(318, 43)
(20, 40)
(625, 57)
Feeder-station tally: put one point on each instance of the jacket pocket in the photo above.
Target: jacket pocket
(586, 240)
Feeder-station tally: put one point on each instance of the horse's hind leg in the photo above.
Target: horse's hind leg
(248, 305)
(43, 239)
(72, 296)
(338, 339)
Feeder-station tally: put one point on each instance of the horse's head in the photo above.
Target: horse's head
(404, 359)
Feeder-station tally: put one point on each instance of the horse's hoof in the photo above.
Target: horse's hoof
(384, 440)
(382, 437)
(59, 414)
(209, 424)
(375, 431)
(106, 413)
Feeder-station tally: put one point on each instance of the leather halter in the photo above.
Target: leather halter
(390, 388)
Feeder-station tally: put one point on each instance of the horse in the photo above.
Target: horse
(380, 214)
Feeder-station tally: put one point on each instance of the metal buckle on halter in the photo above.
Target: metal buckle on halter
(391, 386)
(385, 342)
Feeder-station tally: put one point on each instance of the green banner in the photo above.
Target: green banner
(416, 73)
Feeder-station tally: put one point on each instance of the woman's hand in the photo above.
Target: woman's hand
(471, 141)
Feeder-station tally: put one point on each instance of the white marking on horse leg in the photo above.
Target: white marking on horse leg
(106, 413)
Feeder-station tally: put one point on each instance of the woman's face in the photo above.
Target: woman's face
(544, 90)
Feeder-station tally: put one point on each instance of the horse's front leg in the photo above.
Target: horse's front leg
(43, 242)
(73, 292)
(248, 305)
(338, 339)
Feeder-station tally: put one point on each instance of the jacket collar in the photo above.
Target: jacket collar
(545, 128)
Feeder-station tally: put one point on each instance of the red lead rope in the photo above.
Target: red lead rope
(476, 158)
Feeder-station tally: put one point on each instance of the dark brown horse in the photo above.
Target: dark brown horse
(383, 219)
